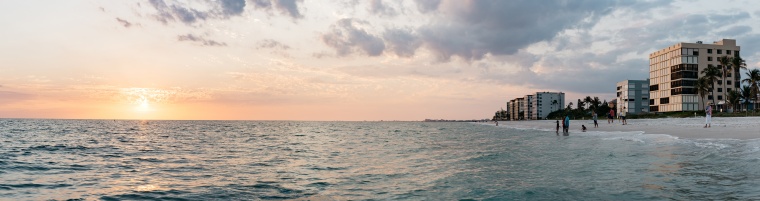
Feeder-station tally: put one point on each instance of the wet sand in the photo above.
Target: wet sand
(691, 128)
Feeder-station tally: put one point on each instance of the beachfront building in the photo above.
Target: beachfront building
(544, 103)
(633, 96)
(515, 108)
(527, 107)
(535, 106)
(673, 72)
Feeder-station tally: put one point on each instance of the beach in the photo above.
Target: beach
(687, 128)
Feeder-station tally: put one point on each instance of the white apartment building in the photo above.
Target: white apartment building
(544, 103)
(632, 97)
(673, 72)
(535, 106)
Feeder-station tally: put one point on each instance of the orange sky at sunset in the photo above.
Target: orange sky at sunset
(337, 60)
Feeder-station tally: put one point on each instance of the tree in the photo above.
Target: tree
(588, 101)
(569, 106)
(732, 98)
(595, 103)
(725, 67)
(753, 80)
(711, 73)
(746, 94)
(738, 63)
(580, 105)
(703, 87)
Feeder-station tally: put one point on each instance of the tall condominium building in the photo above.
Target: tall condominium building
(527, 107)
(633, 96)
(516, 108)
(544, 103)
(673, 72)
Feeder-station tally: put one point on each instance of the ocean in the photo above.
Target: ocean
(283, 160)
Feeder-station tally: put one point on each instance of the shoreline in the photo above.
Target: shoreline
(743, 128)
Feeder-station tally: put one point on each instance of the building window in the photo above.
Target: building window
(710, 97)
(728, 82)
(736, 53)
(709, 58)
(728, 90)
(720, 51)
(719, 82)
(709, 51)
(728, 52)
(720, 97)
(720, 90)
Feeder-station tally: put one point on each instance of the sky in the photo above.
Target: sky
(350, 60)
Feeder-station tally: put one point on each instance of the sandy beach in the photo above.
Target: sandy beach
(692, 128)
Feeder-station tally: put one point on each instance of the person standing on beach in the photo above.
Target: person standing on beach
(708, 114)
(622, 118)
(611, 116)
(594, 116)
(558, 127)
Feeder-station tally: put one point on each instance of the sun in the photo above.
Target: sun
(143, 105)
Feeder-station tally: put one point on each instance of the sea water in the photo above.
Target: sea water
(276, 160)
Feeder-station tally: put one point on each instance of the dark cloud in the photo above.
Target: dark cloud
(221, 9)
(346, 38)
(377, 7)
(126, 23)
(286, 7)
(402, 42)
(200, 39)
(425, 6)
(232, 7)
(168, 13)
(736, 31)
(511, 25)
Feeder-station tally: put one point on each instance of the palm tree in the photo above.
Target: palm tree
(738, 63)
(588, 101)
(753, 80)
(725, 67)
(746, 94)
(733, 98)
(703, 87)
(711, 74)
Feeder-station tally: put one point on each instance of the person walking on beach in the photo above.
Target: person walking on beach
(594, 116)
(708, 114)
(622, 118)
(611, 116)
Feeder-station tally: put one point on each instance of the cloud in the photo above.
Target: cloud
(425, 6)
(126, 23)
(176, 11)
(347, 37)
(736, 31)
(232, 7)
(203, 41)
(272, 44)
(402, 42)
(379, 8)
(286, 7)
(511, 25)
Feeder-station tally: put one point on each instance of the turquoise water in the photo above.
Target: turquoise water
(261, 160)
